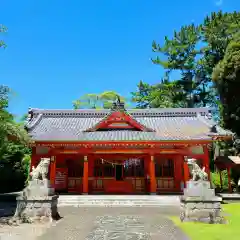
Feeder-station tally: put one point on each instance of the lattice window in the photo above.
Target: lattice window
(75, 167)
(103, 169)
(134, 168)
(164, 168)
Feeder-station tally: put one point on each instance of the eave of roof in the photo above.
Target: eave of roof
(228, 160)
(196, 123)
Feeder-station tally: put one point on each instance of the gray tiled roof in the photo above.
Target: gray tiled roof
(168, 124)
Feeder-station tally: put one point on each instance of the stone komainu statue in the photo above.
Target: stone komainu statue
(41, 171)
(37, 201)
(196, 171)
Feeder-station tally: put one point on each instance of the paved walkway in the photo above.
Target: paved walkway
(115, 223)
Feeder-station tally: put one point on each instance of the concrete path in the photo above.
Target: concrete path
(140, 223)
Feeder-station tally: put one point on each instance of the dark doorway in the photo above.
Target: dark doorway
(119, 172)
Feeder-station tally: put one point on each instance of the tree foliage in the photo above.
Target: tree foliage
(205, 59)
(226, 76)
(142, 96)
(97, 101)
(217, 31)
(13, 147)
(180, 54)
(162, 95)
(14, 142)
(3, 29)
(193, 52)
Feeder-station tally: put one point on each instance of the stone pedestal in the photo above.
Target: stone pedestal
(36, 209)
(37, 203)
(199, 203)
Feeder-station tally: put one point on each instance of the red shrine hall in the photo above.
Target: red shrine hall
(121, 151)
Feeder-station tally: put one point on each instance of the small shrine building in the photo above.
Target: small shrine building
(121, 151)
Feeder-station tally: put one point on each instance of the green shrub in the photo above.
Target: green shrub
(14, 167)
(26, 166)
(215, 178)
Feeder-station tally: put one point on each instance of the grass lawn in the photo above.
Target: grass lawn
(202, 231)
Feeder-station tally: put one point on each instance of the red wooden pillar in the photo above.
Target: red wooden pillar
(185, 173)
(52, 171)
(178, 161)
(153, 184)
(90, 171)
(206, 162)
(85, 175)
(229, 179)
(146, 174)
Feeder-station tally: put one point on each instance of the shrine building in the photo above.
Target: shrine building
(133, 151)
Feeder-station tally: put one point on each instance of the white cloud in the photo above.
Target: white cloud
(219, 2)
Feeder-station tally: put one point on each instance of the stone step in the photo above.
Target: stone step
(118, 201)
(115, 205)
(123, 197)
(113, 200)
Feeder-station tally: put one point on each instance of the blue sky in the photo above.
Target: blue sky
(59, 50)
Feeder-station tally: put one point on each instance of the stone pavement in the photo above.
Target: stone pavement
(119, 223)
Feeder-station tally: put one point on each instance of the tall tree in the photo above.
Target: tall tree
(180, 54)
(226, 76)
(217, 31)
(194, 51)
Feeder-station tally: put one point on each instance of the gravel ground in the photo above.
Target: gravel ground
(24, 231)
(117, 223)
(95, 223)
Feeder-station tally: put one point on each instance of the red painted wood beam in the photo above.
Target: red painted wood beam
(119, 151)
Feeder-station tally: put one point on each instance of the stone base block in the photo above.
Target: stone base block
(209, 212)
(36, 209)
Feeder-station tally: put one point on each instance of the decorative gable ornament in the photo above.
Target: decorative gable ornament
(120, 119)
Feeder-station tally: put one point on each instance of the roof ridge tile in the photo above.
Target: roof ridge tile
(168, 112)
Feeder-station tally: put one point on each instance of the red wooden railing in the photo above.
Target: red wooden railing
(110, 185)
(98, 183)
(165, 184)
(75, 184)
(138, 184)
